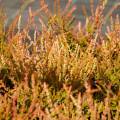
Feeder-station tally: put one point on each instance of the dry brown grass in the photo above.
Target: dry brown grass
(61, 72)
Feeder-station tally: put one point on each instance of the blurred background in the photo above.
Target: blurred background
(12, 6)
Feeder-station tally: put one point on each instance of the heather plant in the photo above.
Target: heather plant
(62, 71)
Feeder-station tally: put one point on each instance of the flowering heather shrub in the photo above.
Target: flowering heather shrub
(63, 71)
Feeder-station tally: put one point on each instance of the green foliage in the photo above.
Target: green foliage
(63, 71)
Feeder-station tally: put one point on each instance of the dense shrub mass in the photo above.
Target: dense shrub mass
(67, 70)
